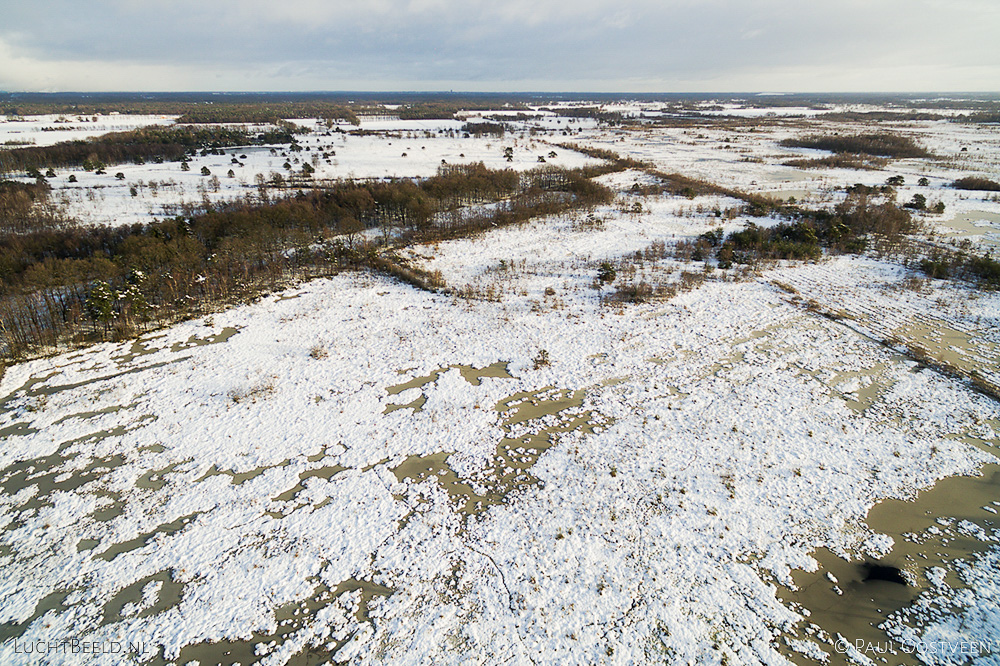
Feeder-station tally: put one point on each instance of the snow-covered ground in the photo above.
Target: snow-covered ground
(403, 149)
(748, 160)
(325, 474)
(51, 129)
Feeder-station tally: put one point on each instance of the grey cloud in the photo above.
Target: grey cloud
(315, 43)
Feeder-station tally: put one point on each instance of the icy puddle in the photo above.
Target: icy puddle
(143, 598)
(965, 351)
(975, 223)
(33, 485)
(47, 474)
(143, 346)
(36, 390)
(846, 601)
(532, 419)
(351, 598)
(473, 376)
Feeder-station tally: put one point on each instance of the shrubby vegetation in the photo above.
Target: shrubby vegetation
(27, 206)
(840, 161)
(633, 289)
(783, 241)
(867, 217)
(619, 163)
(976, 183)
(942, 264)
(863, 220)
(667, 183)
(878, 145)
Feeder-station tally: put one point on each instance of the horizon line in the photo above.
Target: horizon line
(498, 92)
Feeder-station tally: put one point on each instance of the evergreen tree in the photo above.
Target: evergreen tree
(101, 304)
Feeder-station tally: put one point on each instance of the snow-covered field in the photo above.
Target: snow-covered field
(355, 470)
(51, 129)
(417, 149)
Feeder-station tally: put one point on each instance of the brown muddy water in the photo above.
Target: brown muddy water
(850, 598)
(290, 619)
(847, 600)
(469, 373)
(975, 223)
(509, 467)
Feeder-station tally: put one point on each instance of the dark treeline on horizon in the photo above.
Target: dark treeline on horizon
(182, 102)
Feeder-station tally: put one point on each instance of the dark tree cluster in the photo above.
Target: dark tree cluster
(942, 264)
(882, 144)
(26, 206)
(272, 113)
(138, 146)
(484, 128)
(840, 161)
(976, 183)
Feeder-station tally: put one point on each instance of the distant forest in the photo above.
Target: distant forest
(253, 108)
(266, 107)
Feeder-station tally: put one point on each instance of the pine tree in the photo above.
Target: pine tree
(101, 304)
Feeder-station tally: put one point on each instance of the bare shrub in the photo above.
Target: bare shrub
(840, 161)
(588, 223)
(261, 390)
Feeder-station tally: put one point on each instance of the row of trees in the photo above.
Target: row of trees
(139, 146)
(218, 110)
(882, 144)
(272, 113)
(79, 283)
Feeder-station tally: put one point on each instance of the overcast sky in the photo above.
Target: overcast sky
(500, 45)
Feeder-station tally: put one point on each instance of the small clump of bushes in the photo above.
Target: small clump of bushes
(976, 183)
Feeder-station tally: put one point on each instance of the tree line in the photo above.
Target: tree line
(76, 284)
(882, 144)
(140, 145)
